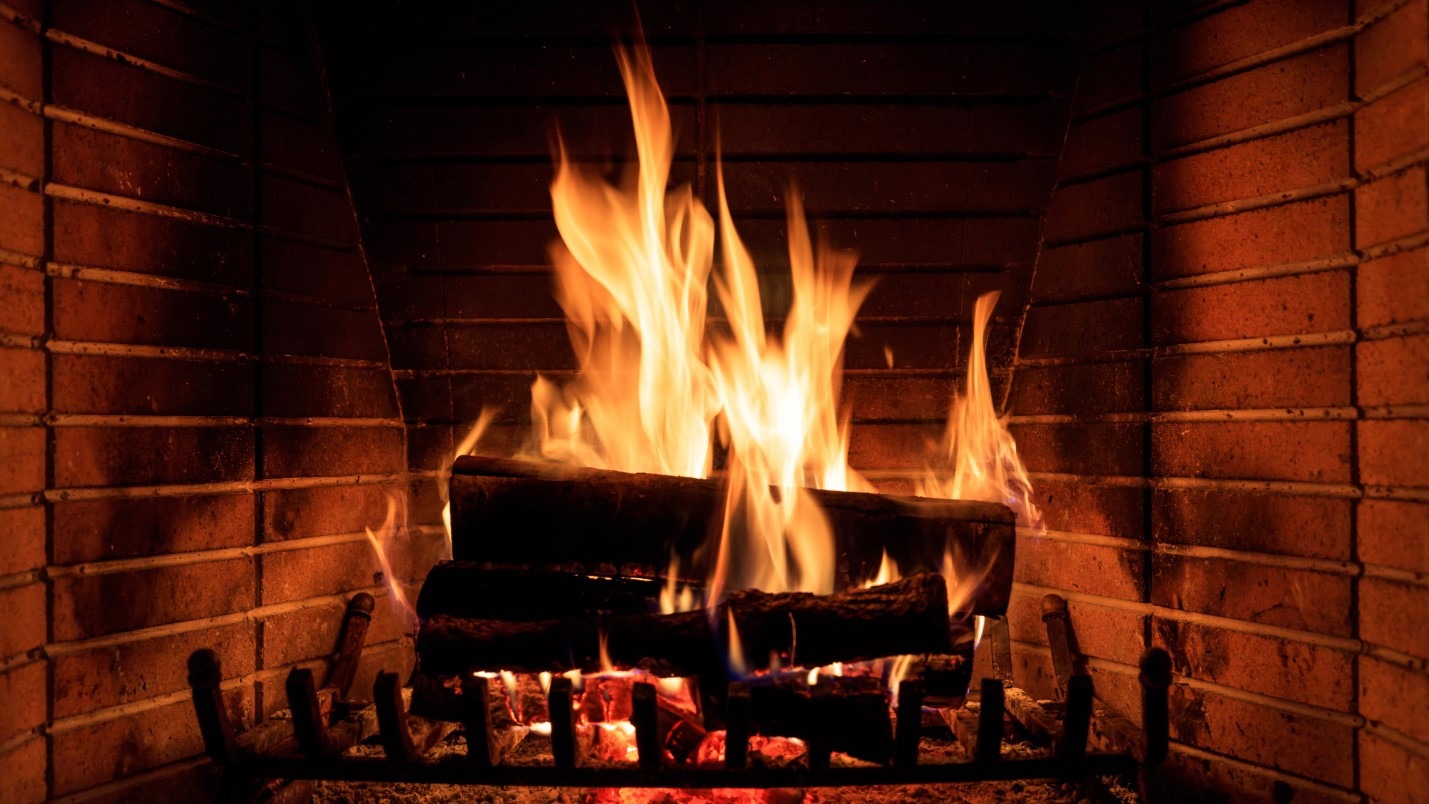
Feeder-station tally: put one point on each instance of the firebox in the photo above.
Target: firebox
(328, 406)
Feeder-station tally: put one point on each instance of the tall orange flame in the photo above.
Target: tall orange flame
(631, 275)
(978, 457)
(653, 391)
(631, 271)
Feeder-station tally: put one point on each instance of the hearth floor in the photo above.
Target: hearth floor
(536, 750)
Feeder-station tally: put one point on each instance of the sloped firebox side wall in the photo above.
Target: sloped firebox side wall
(197, 417)
(1221, 388)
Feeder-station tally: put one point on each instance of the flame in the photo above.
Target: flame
(384, 543)
(676, 597)
(606, 666)
(655, 389)
(735, 651)
(896, 674)
(631, 274)
(467, 446)
(978, 457)
(887, 572)
(632, 271)
(780, 399)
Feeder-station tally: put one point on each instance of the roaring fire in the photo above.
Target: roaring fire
(653, 391)
(661, 377)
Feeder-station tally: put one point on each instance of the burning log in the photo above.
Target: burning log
(848, 714)
(904, 617)
(530, 514)
(464, 589)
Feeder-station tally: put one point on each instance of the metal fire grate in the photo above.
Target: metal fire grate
(1086, 738)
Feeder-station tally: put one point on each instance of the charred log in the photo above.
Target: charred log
(847, 714)
(529, 514)
(464, 589)
(905, 617)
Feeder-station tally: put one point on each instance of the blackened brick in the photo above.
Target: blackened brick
(1099, 268)
(893, 128)
(1291, 305)
(1315, 527)
(109, 163)
(1096, 207)
(134, 671)
(161, 35)
(91, 605)
(1081, 448)
(93, 530)
(1391, 207)
(1393, 371)
(145, 99)
(1303, 600)
(1116, 387)
(112, 313)
(335, 275)
(1394, 533)
(331, 451)
(1392, 126)
(1235, 33)
(1307, 157)
(1394, 452)
(1083, 327)
(298, 207)
(1393, 289)
(122, 456)
(328, 391)
(1308, 450)
(1299, 85)
(1296, 671)
(301, 513)
(1094, 569)
(150, 386)
(1295, 232)
(1108, 141)
(1317, 377)
(91, 235)
(291, 328)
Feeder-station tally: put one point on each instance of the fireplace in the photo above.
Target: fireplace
(263, 265)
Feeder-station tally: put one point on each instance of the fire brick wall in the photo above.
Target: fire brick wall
(198, 412)
(1221, 388)
(922, 135)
